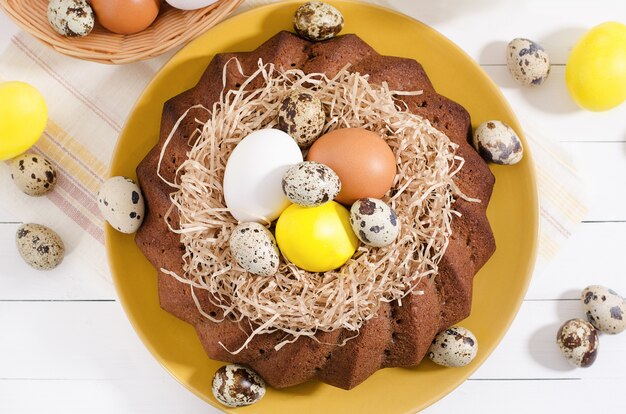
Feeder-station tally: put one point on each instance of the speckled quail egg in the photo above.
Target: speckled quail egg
(578, 341)
(255, 249)
(497, 142)
(302, 116)
(71, 18)
(316, 20)
(311, 184)
(374, 222)
(605, 309)
(237, 386)
(454, 347)
(39, 246)
(121, 203)
(33, 174)
(527, 61)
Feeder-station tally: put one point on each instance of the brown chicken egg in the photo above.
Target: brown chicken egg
(363, 161)
(125, 16)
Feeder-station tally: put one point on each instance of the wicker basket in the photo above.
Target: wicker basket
(172, 27)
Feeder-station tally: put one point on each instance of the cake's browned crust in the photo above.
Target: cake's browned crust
(398, 336)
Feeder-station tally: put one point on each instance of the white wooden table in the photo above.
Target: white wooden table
(67, 347)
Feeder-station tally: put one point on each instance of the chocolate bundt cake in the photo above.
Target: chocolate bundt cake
(399, 335)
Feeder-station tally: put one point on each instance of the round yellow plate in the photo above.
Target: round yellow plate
(498, 289)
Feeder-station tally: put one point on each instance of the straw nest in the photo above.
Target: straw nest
(294, 301)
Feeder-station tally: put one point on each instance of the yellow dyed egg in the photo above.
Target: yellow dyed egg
(596, 68)
(23, 117)
(316, 239)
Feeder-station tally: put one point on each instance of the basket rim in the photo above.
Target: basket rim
(215, 13)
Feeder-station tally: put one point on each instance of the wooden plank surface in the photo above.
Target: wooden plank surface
(66, 346)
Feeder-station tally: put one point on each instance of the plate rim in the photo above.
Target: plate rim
(532, 177)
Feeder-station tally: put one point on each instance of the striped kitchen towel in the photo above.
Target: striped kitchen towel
(562, 202)
(88, 105)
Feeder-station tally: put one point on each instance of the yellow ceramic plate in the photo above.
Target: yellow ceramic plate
(499, 287)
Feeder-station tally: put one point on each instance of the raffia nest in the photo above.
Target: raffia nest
(294, 301)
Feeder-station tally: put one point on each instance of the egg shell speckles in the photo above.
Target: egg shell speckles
(311, 184)
(121, 203)
(497, 142)
(302, 116)
(374, 222)
(71, 18)
(39, 246)
(454, 347)
(605, 309)
(255, 249)
(578, 341)
(316, 21)
(237, 386)
(33, 174)
(527, 61)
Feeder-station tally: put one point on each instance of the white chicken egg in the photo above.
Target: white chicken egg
(190, 4)
(254, 173)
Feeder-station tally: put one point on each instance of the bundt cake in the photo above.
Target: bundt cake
(399, 335)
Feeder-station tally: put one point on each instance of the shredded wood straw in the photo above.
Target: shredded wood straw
(294, 301)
